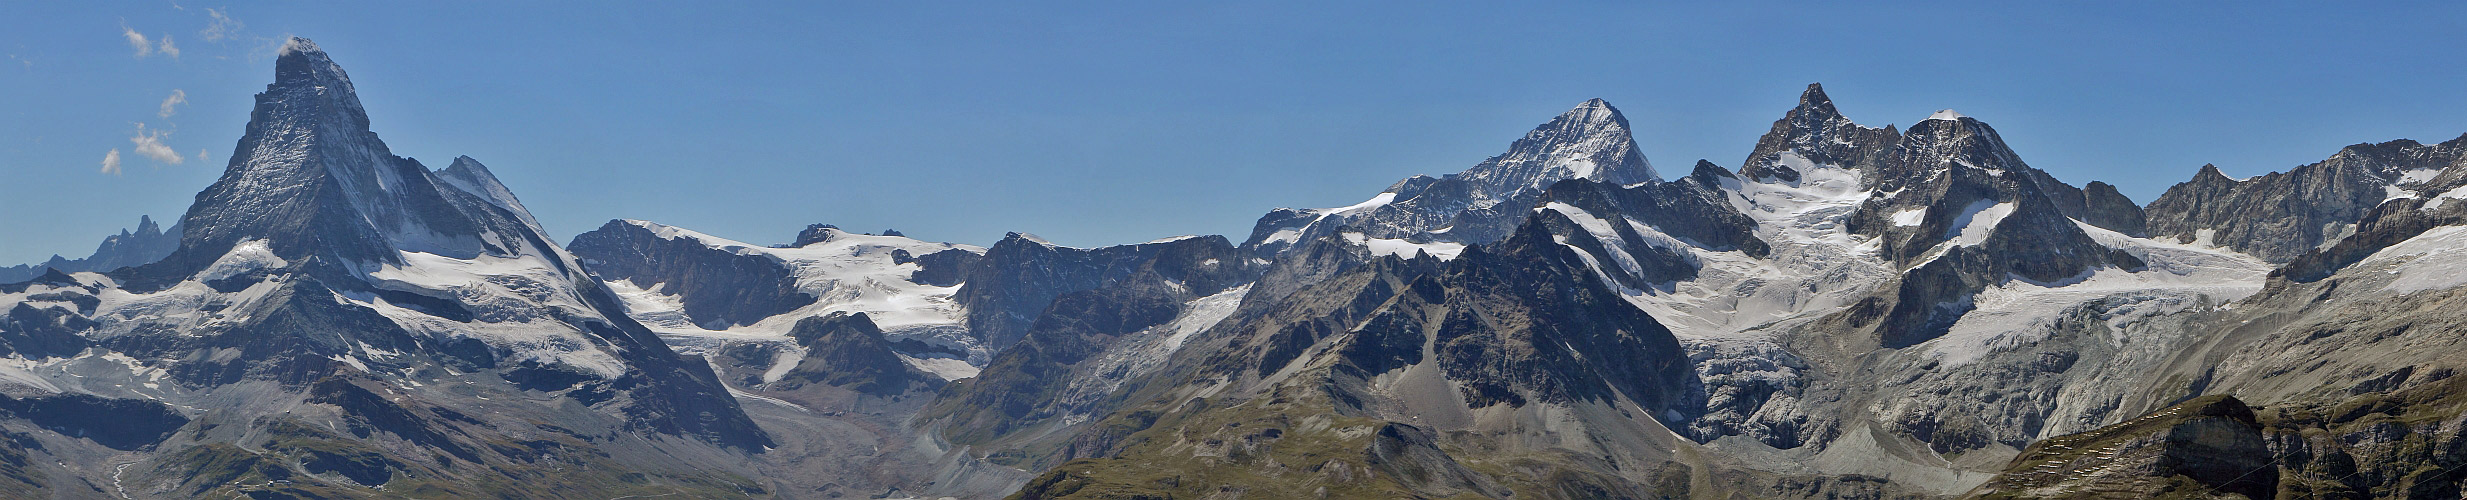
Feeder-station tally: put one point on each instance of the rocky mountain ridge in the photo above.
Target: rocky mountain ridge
(1852, 312)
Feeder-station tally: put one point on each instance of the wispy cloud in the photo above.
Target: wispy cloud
(222, 27)
(137, 41)
(201, 156)
(149, 143)
(177, 98)
(111, 162)
(167, 48)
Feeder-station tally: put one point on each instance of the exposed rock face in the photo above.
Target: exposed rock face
(847, 350)
(1813, 134)
(2281, 215)
(1519, 330)
(718, 288)
(2104, 207)
(2196, 449)
(1021, 275)
(943, 268)
(1075, 353)
(2385, 225)
(120, 424)
(1481, 204)
(149, 243)
(1963, 213)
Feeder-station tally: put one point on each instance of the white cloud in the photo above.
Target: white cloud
(150, 144)
(201, 156)
(178, 97)
(221, 28)
(294, 44)
(111, 162)
(137, 41)
(167, 48)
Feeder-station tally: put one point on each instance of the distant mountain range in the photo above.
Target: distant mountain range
(1851, 312)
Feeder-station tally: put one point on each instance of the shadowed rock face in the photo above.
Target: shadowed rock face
(1519, 327)
(2103, 206)
(1034, 380)
(1020, 276)
(2210, 444)
(719, 288)
(2281, 215)
(847, 350)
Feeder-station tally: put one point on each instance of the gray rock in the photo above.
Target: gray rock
(2281, 215)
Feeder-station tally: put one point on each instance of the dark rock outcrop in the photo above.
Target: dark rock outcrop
(2103, 206)
(719, 288)
(1025, 383)
(848, 351)
(2210, 444)
(1021, 275)
(120, 424)
(943, 268)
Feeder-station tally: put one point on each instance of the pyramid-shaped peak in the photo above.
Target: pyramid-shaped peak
(1595, 111)
(1814, 98)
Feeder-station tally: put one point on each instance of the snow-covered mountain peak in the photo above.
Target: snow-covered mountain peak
(309, 177)
(1948, 138)
(471, 177)
(1591, 141)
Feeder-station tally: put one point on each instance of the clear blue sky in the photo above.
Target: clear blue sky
(958, 122)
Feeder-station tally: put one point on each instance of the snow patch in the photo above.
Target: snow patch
(1375, 202)
(2435, 260)
(244, 257)
(2437, 201)
(1946, 114)
(1405, 249)
(947, 368)
(2019, 311)
(849, 272)
(1910, 217)
(1976, 222)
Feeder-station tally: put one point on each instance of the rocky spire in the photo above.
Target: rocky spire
(1815, 135)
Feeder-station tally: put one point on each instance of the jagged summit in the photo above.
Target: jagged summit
(1815, 135)
(1814, 100)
